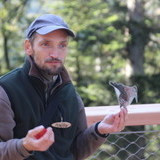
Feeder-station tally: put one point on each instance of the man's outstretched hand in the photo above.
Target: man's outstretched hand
(114, 122)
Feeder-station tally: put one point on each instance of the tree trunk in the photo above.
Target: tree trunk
(5, 51)
(139, 36)
(78, 69)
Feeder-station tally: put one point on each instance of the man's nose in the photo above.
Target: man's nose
(54, 53)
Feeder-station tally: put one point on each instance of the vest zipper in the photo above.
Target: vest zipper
(46, 95)
(61, 114)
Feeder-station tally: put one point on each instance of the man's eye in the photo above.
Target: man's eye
(62, 45)
(45, 44)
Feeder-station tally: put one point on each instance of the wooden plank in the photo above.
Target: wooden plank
(139, 114)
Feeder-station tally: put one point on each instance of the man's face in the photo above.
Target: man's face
(49, 51)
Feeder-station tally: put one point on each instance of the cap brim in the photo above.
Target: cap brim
(48, 29)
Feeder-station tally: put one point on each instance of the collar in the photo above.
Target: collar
(34, 71)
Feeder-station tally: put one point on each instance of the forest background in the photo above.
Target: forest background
(116, 40)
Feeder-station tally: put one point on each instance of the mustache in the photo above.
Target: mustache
(51, 59)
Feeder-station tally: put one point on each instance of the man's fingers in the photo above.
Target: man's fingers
(49, 134)
(123, 118)
(116, 123)
(125, 113)
(35, 131)
(42, 143)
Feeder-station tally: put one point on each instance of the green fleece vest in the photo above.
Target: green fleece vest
(27, 94)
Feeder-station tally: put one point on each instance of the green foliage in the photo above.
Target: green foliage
(148, 88)
(11, 13)
(99, 53)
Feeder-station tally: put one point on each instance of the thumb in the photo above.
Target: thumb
(108, 118)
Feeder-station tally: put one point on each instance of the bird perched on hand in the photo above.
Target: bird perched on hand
(125, 94)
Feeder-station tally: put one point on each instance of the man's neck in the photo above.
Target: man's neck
(46, 77)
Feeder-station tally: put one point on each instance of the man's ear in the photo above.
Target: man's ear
(28, 47)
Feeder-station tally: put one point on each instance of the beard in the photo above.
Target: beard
(54, 70)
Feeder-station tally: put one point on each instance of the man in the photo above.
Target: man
(41, 95)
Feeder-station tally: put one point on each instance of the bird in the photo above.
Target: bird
(125, 94)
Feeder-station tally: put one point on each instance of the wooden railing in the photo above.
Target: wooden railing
(139, 114)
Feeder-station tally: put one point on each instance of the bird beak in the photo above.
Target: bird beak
(112, 83)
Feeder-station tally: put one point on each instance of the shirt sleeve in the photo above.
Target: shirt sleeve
(87, 140)
(9, 148)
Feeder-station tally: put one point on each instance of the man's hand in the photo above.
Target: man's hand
(31, 143)
(114, 122)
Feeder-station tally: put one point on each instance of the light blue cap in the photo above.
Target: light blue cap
(48, 23)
